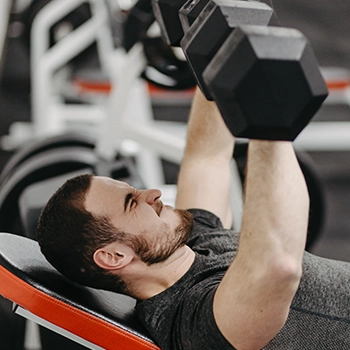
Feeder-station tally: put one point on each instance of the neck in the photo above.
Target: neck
(156, 278)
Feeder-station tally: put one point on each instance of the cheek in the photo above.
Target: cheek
(148, 227)
(171, 217)
(147, 223)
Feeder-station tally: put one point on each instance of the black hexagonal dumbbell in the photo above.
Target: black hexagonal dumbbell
(214, 24)
(266, 82)
(189, 12)
(175, 16)
(167, 16)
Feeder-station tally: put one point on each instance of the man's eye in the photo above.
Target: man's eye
(132, 203)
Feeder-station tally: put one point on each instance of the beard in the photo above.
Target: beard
(164, 243)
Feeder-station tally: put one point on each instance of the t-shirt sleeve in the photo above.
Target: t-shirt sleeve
(209, 236)
(203, 222)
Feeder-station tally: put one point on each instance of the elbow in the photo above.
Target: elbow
(276, 274)
(286, 272)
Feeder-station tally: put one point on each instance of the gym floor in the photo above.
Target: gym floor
(326, 24)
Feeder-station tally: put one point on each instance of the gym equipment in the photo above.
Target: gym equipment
(135, 26)
(265, 80)
(189, 12)
(268, 79)
(212, 27)
(175, 17)
(94, 318)
(39, 146)
(164, 69)
(166, 13)
(53, 77)
(61, 28)
(5, 10)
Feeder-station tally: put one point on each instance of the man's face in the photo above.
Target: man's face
(155, 231)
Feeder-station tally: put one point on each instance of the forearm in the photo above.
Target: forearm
(207, 134)
(205, 177)
(276, 203)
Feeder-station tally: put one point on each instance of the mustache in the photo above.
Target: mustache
(159, 207)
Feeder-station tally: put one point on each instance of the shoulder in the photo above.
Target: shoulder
(206, 219)
(182, 317)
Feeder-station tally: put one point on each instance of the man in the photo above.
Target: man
(198, 284)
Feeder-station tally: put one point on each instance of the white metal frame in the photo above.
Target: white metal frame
(29, 316)
(5, 9)
(45, 61)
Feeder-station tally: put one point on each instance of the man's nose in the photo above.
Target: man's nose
(151, 196)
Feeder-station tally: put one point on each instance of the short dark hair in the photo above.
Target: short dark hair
(69, 235)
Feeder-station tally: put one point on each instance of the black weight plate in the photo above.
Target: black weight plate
(164, 69)
(171, 72)
(39, 146)
(41, 167)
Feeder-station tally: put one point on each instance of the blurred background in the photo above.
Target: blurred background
(325, 23)
(326, 26)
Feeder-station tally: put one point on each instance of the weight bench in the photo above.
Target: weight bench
(94, 318)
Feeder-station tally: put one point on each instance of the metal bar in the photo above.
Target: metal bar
(30, 316)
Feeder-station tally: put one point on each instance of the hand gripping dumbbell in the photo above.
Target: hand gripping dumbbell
(265, 80)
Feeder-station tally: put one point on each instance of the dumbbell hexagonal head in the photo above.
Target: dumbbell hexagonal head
(190, 11)
(266, 82)
(210, 30)
(167, 15)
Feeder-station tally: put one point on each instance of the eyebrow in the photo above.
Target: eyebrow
(127, 200)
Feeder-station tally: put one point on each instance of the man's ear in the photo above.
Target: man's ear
(113, 256)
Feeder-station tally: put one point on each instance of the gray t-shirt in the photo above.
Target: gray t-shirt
(182, 317)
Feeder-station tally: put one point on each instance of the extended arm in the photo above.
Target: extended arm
(252, 302)
(204, 178)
